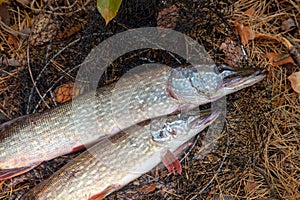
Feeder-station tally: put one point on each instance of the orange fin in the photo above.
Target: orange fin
(105, 192)
(171, 162)
(78, 148)
(9, 173)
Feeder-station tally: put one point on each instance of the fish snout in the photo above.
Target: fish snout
(239, 78)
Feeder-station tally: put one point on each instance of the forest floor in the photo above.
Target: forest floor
(257, 157)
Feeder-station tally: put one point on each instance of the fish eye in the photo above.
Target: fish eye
(161, 134)
(218, 69)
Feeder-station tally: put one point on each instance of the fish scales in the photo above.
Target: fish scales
(98, 173)
(151, 93)
(114, 163)
(57, 132)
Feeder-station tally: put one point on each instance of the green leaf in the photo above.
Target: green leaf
(108, 8)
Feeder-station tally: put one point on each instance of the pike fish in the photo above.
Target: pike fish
(27, 141)
(113, 163)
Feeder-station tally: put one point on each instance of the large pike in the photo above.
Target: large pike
(32, 139)
(113, 163)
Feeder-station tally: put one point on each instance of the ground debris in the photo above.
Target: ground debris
(262, 161)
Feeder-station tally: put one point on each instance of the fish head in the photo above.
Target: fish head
(203, 84)
(180, 128)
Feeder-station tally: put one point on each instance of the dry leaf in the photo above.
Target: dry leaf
(64, 92)
(295, 54)
(250, 186)
(288, 24)
(245, 32)
(282, 40)
(4, 14)
(232, 51)
(12, 40)
(250, 12)
(44, 28)
(9, 62)
(294, 78)
(274, 56)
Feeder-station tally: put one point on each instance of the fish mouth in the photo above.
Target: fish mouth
(237, 78)
(206, 118)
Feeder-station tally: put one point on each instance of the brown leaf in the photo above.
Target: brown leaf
(294, 78)
(288, 24)
(250, 186)
(4, 14)
(250, 12)
(13, 62)
(64, 92)
(274, 56)
(233, 53)
(295, 54)
(282, 40)
(9, 62)
(44, 29)
(12, 40)
(245, 32)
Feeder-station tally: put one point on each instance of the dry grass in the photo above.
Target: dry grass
(274, 170)
(263, 155)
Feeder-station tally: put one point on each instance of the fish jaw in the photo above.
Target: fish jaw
(205, 119)
(203, 84)
(242, 78)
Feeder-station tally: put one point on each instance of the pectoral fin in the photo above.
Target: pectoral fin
(9, 173)
(105, 192)
(78, 148)
(171, 162)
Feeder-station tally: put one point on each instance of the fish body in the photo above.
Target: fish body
(113, 163)
(64, 129)
(151, 93)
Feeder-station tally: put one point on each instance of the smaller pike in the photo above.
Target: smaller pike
(113, 163)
